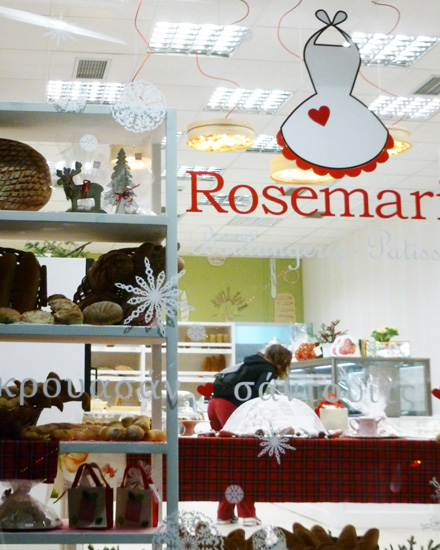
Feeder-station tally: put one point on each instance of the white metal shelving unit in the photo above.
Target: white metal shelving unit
(109, 228)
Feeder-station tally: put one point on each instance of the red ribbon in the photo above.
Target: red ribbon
(85, 188)
(126, 194)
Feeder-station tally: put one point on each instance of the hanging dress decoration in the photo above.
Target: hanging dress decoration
(333, 132)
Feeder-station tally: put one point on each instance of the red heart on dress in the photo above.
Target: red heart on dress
(206, 390)
(320, 115)
(436, 392)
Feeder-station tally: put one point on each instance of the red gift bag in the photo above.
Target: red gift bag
(137, 499)
(90, 506)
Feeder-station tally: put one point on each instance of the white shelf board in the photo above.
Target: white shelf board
(84, 334)
(78, 536)
(113, 447)
(77, 226)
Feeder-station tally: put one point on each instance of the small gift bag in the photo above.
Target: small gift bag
(137, 499)
(90, 499)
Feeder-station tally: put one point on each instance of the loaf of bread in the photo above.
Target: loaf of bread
(24, 292)
(38, 316)
(65, 311)
(8, 263)
(103, 313)
(9, 315)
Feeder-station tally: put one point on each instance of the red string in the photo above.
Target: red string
(217, 78)
(394, 8)
(247, 13)
(143, 38)
(279, 35)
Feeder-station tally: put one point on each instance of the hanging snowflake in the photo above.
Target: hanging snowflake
(60, 31)
(188, 531)
(269, 538)
(140, 108)
(152, 296)
(66, 104)
(234, 494)
(88, 143)
(275, 444)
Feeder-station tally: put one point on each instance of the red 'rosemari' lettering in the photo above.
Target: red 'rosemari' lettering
(347, 194)
(308, 194)
(206, 192)
(397, 203)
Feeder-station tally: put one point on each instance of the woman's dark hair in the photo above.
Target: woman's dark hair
(280, 357)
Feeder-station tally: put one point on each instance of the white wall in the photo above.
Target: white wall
(387, 273)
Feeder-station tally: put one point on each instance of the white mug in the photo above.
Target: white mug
(365, 426)
(334, 418)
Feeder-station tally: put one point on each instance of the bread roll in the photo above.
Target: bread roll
(8, 263)
(8, 315)
(103, 313)
(38, 316)
(66, 312)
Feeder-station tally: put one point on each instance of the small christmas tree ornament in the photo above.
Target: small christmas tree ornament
(120, 192)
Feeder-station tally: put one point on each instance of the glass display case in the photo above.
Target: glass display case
(397, 386)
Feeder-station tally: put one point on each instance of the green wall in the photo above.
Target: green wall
(249, 284)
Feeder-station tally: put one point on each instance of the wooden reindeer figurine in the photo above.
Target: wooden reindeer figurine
(88, 189)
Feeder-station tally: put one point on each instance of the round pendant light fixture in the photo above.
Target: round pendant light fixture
(220, 135)
(402, 140)
(287, 172)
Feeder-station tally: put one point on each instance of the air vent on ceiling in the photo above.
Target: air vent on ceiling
(432, 87)
(91, 68)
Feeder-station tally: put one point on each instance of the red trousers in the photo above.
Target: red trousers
(219, 410)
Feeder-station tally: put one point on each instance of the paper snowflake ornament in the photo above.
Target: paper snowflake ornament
(269, 538)
(275, 444)
(153, 296)
(88, 143)
(234, 494)
(188, 531)
(140, 108)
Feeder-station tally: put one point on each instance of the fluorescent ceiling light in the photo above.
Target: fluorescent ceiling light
(405, 108)
(182, 172)
(265, 144)
(187, 39)
(254, 222)
(400, 50)
(247, 101)
(223, 200)
(93, 92)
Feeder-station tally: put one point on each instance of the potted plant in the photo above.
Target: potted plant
(327, 335)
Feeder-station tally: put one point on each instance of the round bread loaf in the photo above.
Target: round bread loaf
(9, 315)
(103, 313)
(38, 316)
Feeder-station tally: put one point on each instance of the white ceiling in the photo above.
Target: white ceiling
(30, 56)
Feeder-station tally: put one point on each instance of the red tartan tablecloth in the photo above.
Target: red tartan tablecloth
(28, 460)
(318, 470)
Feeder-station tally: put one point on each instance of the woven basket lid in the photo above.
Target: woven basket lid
(24, 177)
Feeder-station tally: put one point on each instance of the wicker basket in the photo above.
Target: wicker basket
(42, 289)
(12, 421)
(24, 177)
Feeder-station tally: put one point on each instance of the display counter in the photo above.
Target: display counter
(318, 470)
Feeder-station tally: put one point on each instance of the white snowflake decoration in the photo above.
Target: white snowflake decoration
(234, 494)
(196, 333)
(140, 108)
(88, 143)
(153, 296)
(66, 104)
(188, 531)
(434, 524)
(60, 31)
(436, 485)
(269, 538)
(275, 444)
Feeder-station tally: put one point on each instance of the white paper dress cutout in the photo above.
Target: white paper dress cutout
(332, 131)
